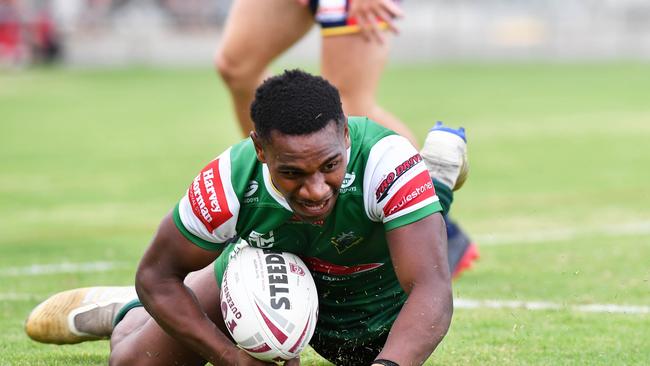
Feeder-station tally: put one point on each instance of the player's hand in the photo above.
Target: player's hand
(445, 155)
(369, 13)
(244, 359)
(293, 362)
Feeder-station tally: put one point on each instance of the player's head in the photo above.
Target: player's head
(295, 103)
(302, 135)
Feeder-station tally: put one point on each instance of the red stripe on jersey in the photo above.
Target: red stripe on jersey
(207, 197)
(414, 191)
(319, 265)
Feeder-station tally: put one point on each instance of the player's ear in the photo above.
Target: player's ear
(346, 134)
(259, 151)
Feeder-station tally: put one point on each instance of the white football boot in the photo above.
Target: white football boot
(78, 315)
(445, 155)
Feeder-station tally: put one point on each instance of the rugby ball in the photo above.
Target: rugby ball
(269, 303)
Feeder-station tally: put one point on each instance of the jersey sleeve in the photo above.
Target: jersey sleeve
(207, 214)
(397, 187)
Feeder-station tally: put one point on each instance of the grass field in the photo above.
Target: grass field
(558, 196)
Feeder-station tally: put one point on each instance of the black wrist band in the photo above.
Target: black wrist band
(385, 362)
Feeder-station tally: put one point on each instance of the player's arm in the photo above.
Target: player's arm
(159, 283)
(419, 256)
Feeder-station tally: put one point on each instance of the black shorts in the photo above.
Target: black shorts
(348, 352)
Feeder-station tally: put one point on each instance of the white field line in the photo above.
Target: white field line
(472, 304)
(545, 236)
(65, 267)
(12, 296)
(543, 305)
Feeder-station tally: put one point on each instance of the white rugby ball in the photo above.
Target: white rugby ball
(269, 303)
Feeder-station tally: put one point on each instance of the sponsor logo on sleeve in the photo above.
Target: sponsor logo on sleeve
(391, 178)
(415, 191)
(207, 197)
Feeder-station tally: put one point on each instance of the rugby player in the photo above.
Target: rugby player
(355, 200)
(355, 44)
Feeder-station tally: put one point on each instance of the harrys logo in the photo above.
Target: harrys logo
(208, 198)
(391, 178)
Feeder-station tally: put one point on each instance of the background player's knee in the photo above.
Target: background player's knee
(237, 74)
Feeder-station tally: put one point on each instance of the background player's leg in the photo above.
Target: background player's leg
(256, 32)
(139, 340)
(354, 66)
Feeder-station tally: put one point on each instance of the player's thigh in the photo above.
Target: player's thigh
(258, 31)
(354, 66)
(151, 345)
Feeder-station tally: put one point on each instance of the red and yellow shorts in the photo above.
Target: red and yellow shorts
(332, 15)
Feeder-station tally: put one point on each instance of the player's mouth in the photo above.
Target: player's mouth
(313, 211)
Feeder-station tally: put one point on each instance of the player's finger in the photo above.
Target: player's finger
(383, 15)
(293, 362)
(393, 9)
(374, 31)
(364, 27)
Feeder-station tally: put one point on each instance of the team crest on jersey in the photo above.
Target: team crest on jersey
(207, 197)
(348, 180)
(261, 240)
(345, 241)
(391, 178)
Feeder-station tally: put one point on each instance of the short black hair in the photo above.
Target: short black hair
(295, 103)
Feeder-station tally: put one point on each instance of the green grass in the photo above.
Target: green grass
(91, 160)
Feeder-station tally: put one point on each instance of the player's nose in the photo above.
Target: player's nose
(315, 189)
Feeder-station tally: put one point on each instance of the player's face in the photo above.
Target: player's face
(308, 170)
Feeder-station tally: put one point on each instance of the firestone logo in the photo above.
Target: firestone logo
(417, 192)
(391, 178)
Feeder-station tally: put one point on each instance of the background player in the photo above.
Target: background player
(354, 51)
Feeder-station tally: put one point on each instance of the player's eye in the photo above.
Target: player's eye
(290, 174)
(331, 165)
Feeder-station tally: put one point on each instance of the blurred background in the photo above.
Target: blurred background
(108, 108)
(177, 32)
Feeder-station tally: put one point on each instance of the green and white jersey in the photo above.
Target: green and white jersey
(386, 186)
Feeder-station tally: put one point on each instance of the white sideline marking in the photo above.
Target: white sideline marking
(474, 304)
(65, 267)
(543, 305)
(635, 228)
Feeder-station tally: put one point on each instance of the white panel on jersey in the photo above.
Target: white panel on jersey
(226, 230)
(383, 161)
